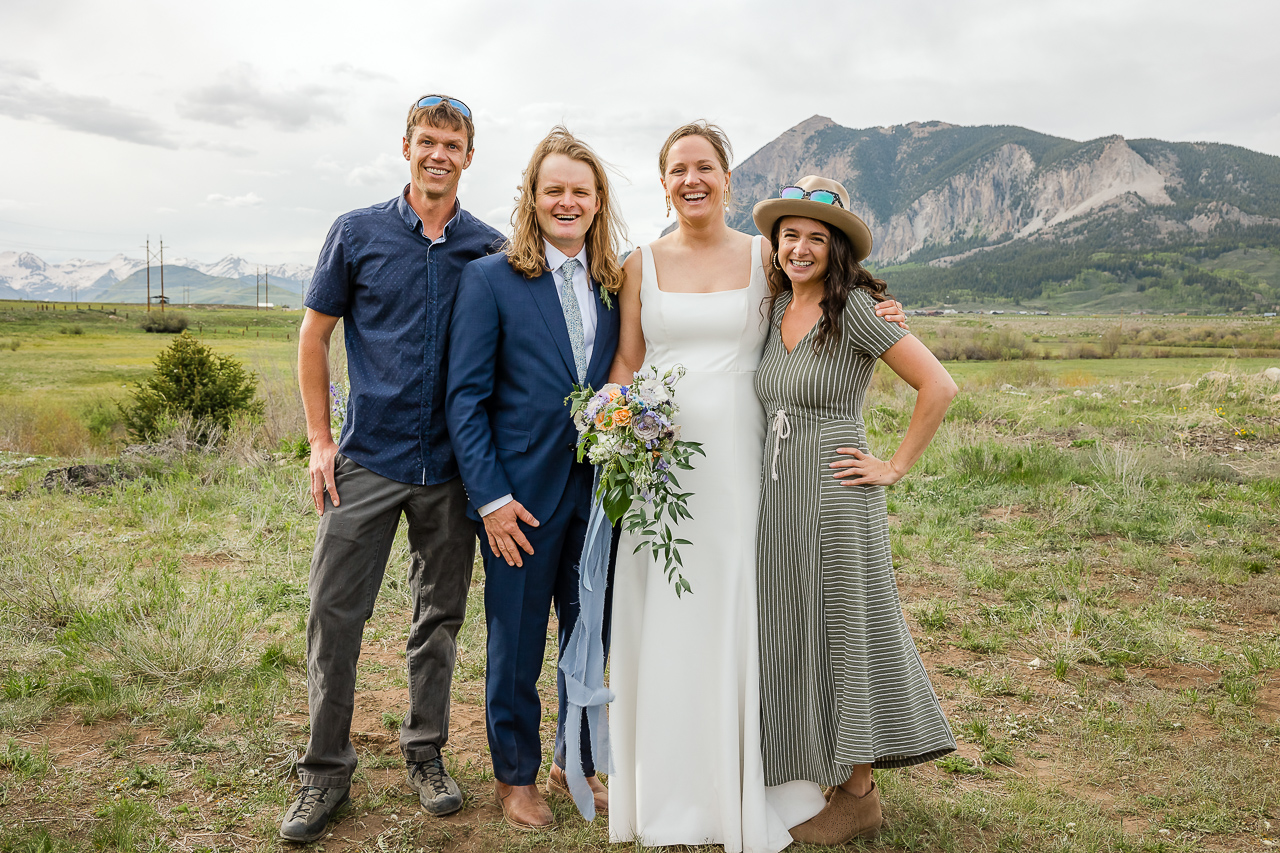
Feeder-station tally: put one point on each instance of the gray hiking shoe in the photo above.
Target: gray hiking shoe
(308, 815)
(437, 791)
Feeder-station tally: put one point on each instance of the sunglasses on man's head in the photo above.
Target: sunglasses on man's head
(432, 100)
(820, 196)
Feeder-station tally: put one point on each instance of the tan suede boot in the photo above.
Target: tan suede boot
(845, 817)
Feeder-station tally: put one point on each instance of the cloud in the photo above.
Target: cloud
(25, 97)
(10, 204)
(362, 73)
(383, 167)
(238, 98)
(246, 200)
(327, 164)
(233, 149)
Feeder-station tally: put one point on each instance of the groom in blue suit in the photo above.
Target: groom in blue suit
(528, 325)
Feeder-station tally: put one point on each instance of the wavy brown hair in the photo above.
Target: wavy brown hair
(525, 250)
(844, 275)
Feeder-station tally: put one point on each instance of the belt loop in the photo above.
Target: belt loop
(781, 428)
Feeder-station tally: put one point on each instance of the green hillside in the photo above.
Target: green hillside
(1237, 270)
(183, 284)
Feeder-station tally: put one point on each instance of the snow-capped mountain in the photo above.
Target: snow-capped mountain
(24, 275)
(235, 267)
(32, 278)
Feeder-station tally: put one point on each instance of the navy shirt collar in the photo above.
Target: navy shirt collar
(411, 218)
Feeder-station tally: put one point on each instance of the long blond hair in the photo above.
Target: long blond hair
(525, 250)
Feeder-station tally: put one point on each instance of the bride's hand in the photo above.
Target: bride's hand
(867, 469)
(891, 311)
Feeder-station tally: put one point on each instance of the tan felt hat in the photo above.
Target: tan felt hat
(769, 211)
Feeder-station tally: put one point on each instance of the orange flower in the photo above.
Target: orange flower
(614, 393)
(603, 421)
(622, 417)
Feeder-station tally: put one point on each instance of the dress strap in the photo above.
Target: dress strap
(648, 272)
(758, 280)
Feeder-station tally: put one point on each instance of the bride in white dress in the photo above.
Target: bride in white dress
(685, 724)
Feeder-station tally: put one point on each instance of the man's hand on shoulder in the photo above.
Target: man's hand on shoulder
(322, 479)
(891, 312)
(506, 539)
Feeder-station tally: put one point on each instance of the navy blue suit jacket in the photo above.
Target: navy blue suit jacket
(510, 368)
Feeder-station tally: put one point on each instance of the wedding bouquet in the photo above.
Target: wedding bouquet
(628, 433)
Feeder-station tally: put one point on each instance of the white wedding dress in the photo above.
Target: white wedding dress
(685, 724)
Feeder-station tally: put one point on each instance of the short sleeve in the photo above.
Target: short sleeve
(330, 288)
(863, 330)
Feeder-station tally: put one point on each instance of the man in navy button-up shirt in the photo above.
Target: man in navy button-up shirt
(394, 287)
(390, 273)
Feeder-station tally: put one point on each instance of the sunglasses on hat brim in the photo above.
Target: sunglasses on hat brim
(820, 196)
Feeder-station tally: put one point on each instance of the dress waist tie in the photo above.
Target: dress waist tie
(781, 428)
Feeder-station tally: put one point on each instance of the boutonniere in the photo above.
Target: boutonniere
(605, 296)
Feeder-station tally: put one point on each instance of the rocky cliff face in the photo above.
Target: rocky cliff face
(942, 192)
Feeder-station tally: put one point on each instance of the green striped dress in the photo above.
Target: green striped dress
(841, 681)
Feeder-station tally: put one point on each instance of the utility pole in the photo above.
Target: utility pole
(257, 288)
(148, 273)
(162, 275)
(266, 288)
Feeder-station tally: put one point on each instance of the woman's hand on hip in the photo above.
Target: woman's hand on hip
(858, 468)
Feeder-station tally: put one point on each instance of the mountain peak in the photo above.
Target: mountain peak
(812, 124)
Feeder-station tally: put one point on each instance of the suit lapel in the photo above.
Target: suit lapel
(606, 342)
(543, 292)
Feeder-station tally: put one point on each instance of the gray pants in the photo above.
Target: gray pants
(353, 543)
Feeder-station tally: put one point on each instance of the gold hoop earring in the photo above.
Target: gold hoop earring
(775, 261)
(668, 207)
(728, 195)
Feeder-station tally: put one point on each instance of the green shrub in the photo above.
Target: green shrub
(191, 379)
(297, 447)
(167, 322)
(101, 417)
(71, 330)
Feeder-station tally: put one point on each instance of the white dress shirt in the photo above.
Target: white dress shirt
(581, 289)
(586, 306)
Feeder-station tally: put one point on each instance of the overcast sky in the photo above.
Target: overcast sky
(245, 127)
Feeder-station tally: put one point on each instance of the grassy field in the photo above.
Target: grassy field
(65, 368)
(1088, 555)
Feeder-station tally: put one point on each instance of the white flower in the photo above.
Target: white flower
(654, 392)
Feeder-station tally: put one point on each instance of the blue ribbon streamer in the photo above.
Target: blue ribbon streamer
(583, 661)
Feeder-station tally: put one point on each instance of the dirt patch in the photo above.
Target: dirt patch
(1249, 435)
(1006, 513)
(1267, 704)
(1180, 677)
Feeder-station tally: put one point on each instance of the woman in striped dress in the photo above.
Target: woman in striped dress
(843, 689)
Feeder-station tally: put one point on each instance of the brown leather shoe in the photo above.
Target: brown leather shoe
(845, 817)
(558, 784)
(523, 806)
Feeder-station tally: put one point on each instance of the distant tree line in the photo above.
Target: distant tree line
(1021, 270)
